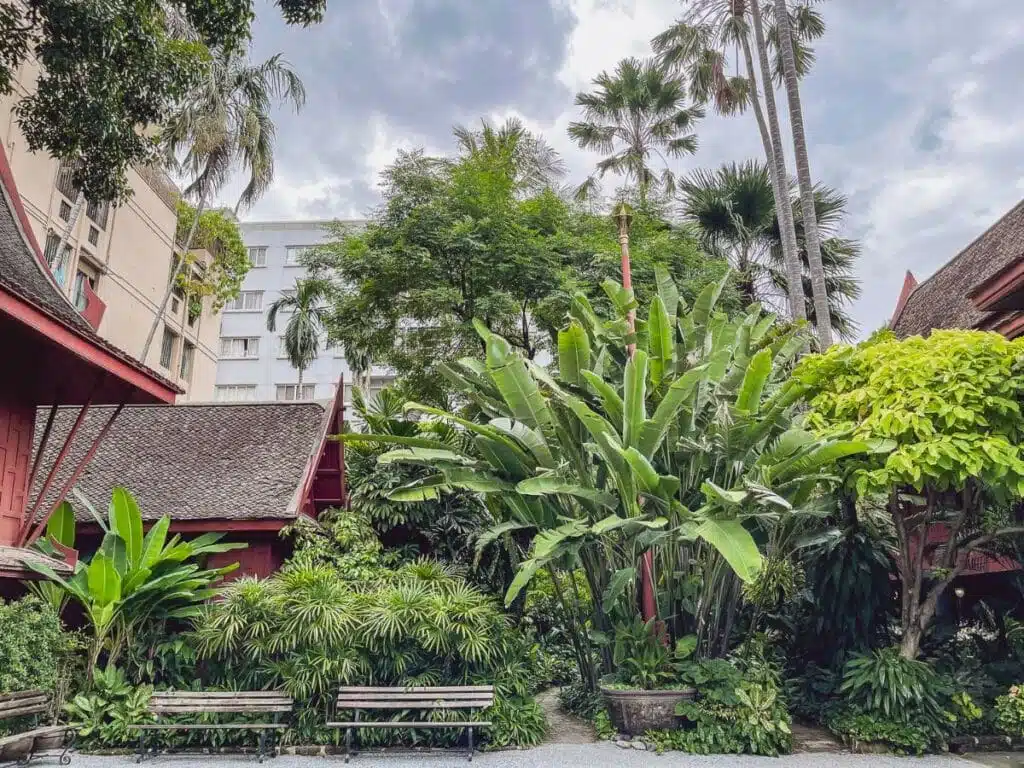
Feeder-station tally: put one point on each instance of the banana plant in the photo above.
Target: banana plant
(686, 448)
(134, 577)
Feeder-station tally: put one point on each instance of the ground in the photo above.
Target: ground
(602, 755)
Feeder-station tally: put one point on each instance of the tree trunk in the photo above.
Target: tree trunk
(298, 387)
(174, 277)
(776, 169)
(812, 242)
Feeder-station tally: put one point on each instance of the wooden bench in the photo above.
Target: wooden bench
(452, 697)
(203, 702)
(34, 704)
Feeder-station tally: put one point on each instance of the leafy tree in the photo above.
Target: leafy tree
(109, 67)
(306, 324)
(637, 112)
(535, 165)
(218, 234)
(222, 123)
(734, 212)
(951, 405)
(133, 578)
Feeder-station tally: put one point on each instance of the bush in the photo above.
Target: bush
(901, 737)
(33, 646)
(108, 709)
(1010, 712)
(578, 699)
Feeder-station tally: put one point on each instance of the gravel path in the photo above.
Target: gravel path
(563, 727)
(602, 755)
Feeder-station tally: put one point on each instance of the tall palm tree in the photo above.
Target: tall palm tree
(306, 323)
(638, 111)
(734, 214)
(535, 165)
(803, 170)
(698, 46)
(222, 124)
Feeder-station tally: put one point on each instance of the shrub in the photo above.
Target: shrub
(1010, 712)
(902, 737)
(109, 708)
(578, 699)
(33, 645)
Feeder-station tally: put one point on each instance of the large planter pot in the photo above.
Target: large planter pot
(16, 751)
(51, 741)
(636, 711)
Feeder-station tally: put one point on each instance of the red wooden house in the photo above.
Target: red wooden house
(53, 358)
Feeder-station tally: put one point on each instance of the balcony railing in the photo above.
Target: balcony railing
(64, 183)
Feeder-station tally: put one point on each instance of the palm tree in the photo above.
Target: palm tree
(535, 165)
(734, 213)
(223, 123)
(697, 46)
(803, 170)
(306, 324)
(637, 112)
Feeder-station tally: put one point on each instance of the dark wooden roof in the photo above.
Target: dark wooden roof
(14, 561)
(232, 461)
(943, 301)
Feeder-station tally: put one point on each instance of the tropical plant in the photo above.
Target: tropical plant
(641, 658)
(535, 166)
(886, 683)
(108, 713)
(733, 210)
(221, 277)
(1010, 712)
(683, 449)
(222, 123)
(634, 113)
(133, 578)
(812, 238)
(33, 645)
(306, 326)
(950, 405)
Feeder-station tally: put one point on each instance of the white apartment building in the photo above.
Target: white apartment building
(252, 364)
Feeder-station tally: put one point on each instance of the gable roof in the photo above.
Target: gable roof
(23, 274)
(211, 461)
(943, 300)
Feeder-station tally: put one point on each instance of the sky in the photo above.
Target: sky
(914, 109)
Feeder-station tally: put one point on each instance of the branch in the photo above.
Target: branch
(970, 545)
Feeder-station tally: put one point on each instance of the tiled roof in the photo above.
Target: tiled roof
(942, 301)
(236, 461)
(17, 559)
(23, 274)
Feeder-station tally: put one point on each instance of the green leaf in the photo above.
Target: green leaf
(422, 489)
(713, 492)
(758, 371)
(573, 353)
(634, 398)
(706, 301)
(126, 522)
(735, 544)
(379, 439)
(518, 388)
(425, 456)
(523, 576)
(547, 542)
(614, 522)
(491, 535)
(153, 544)
(610, 398)
(475, 480)
(617, 584)
(685, 646)
(642, 469)
(655, 428)
(61, 526)
(103, 580)
(660, 341)
(543, 485)
(668, 293)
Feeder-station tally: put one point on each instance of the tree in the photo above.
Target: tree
(218, 234)
(803, 170)
(734, 212)
(306, 324)
(535, 165)
(698, 45)
(637, 112)
(951, 407)
(225, 122)
(110, 67)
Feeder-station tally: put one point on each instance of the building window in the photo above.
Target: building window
(233, 393)
(98, 212)
(292, 392)
(282, 350)
(194, 308)
(294, 253)
(377, 383)
(83, 278)
(65, 210)
(188, 356)
(246, 301)
(241, 348)
(58, 265)
(170, 340)
(94, 235)
(258, 256)
(64, 183)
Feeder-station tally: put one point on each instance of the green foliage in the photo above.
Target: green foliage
(968, 714)
(218, 233)
(517, 722)
(864, 727)
(305, 629)
(641, 658)
(579, 700)
(134, 579)
(307, 320)
(340, 539)
(108, 68)
(1010, 712)
(108, 709)
(33, 646)
(603, 725)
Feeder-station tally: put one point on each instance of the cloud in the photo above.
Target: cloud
(915, 117)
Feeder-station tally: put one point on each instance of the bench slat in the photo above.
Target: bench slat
(409, 724)
(222, 694)
(397, 689)
(182, 701)
(213, 709)
(33, 710)
(24, 700)
(45, 731)
(404, 696)
(432, 704)
(209, 726)
(22, 695)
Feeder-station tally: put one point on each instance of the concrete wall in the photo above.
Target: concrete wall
(270, 369)
(129, 257)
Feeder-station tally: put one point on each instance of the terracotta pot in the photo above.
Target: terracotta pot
(50, 741)
(16, 751)
(635, 711)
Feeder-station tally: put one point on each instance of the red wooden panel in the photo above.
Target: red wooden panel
(17, 420)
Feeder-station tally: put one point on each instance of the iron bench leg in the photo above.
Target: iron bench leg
(471, 744)
(70, 736)
(263, 745)
(142, 745)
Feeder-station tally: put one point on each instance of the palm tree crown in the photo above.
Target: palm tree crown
(306, 322)
(634, 113)
(733, 210)
(534, 164)
(226, 120)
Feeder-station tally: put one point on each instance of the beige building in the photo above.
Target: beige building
(121, 256)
